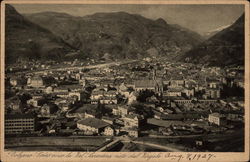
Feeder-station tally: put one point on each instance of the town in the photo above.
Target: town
(121, 106)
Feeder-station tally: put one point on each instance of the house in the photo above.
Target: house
(91, 113)
(15, 104)
(36, 82)
(83, 82)
(61, 89)
(212, 83)
(36, 102)
(49, 90)
(213, 93)
(14, 81)
(108, 100)
(87, 110)
(216, 118)
(133, 132)
(97, 94)
(152, 99)
(121, 110)
(108, 119)
(189, 92)
(111, 93)
(92, 125)
(79, 95)
(62, 94)
(64, 106)
(132, 120)
(132, 97)
(109, 131)
(177, 81)
(239, 82)
(79, 76)
(48, 109)
(123, 90)
(60, 100)
(173, 92)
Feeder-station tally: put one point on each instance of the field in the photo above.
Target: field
(54, 143)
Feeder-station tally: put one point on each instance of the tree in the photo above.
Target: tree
(144, 94)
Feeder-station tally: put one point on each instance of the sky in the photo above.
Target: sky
(199, 18)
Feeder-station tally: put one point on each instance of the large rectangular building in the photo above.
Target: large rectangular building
(19, 123)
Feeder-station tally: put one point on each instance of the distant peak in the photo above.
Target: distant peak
(51, 13)
(161, 21)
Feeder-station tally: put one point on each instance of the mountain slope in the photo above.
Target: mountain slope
(224, 48)
(118, 34)
(27, 40)
(211, 33)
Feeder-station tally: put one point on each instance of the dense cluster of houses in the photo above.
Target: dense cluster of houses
(125, 99)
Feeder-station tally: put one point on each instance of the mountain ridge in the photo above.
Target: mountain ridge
(120, 34)
(25, 39)
(224, 48)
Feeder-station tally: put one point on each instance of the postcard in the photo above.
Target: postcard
(125, 80)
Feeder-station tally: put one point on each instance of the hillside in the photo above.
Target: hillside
(26, 40)
(224, 48)
(117, 35)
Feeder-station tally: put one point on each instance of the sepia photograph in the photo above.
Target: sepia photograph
(124, 77)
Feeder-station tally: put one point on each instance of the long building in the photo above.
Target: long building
(19, 123)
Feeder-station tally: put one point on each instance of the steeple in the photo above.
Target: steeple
(154, 74)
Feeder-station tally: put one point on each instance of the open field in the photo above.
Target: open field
(55, 143)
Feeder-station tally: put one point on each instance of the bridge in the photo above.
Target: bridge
(109, 146)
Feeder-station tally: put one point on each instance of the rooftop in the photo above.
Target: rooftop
(19, 116)
(93, 122)
(144, 83)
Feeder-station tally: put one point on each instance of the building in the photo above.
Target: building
(132, 98)
(36, 102)
(108, 100)
(213, 83)
(189, 92)
(48, 109)
(15, 81)
(19, 123)
(109, 131)
(92, 125)
(36, 82)
(133, 132)
(96, 94)
(173, 92)
(177, 82)
(132, 120)
(108, 119)
(121, 110)
(212, 93)
(216, 118)
(123, 90)
(78, 94)
(49, 90)
(14, 104)
(155, 85)
(144, 84)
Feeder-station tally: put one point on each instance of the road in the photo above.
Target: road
(85, 67)
(109, 145)
(167, 148)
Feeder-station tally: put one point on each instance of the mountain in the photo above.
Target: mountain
(211, 33)
(117, 34)
(26, 40)
(224, 48)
